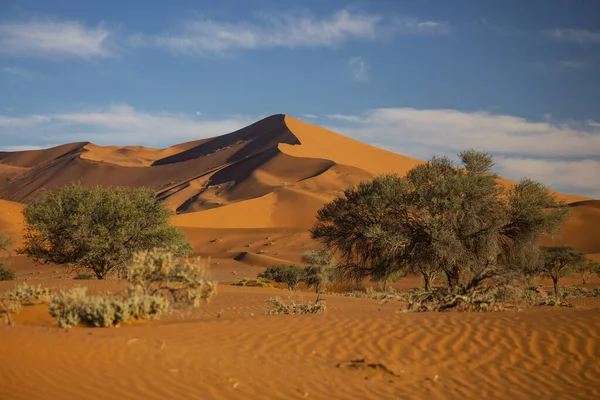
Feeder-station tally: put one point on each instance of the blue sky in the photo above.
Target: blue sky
(519, 79)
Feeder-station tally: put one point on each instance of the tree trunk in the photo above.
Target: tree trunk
(555, 282)
(427, 279)
(585, 278)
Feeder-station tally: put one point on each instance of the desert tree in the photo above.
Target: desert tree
(291, 275)
(459, 222)
(97, 228)
(320, 270)
(560, 261)
(587, 270)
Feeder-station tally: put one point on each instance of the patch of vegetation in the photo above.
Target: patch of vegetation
(7, 274)
(155, 281)
(258, 282)
(457, 223)
(288, 274)
(97, 228)
(558, 262)
(184, 281)
(587, 270)
(278, 306)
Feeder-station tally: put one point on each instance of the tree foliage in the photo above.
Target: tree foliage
(320, 270)
(288, 274)
(559, 261)
(97, 228)
(587, 270)
(461, 223)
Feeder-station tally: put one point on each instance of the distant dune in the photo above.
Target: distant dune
(274, 174)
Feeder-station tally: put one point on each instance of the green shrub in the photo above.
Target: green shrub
(156, 272)
(7, 274)
(97, 228)
(288, 274)
(278, 306)
(258, 282)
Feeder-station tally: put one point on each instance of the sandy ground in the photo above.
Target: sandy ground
(243, 353)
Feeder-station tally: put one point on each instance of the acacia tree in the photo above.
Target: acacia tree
(320, 269)
(587, 270)
(460, 222)
(97, 228)
(560, 261)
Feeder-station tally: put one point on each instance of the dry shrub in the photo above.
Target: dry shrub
(258, 282)
(72, 307)
(64, 306)
(443, 299)
(156, 272)
(22, 295)
(278, 306)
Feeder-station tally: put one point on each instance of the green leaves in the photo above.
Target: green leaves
(98, 228)
(439, 219)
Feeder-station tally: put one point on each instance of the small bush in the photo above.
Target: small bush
(84, 277)
(28, 294)
(65, 306)
(288, 274)
(156, 272)
(7, 274)
(278, 306)
(147, 307)
(258, 282)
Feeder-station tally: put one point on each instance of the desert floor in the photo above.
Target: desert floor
(230, 349)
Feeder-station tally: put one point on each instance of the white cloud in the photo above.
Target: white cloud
(21, 72)
(119, 125)
(580, 36)
(284, 30)
(21, 148)
(54, 39)
(359, 68)
(347, 118)
(420, 133)
(571, 176)
(312, 116)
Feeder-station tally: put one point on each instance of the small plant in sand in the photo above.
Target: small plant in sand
(587, 270)
(158, 273)
(558, 262)
(64, 306)
(258, 282)
(320, 271)
(7, 274)
(294, 306)
(288, 274)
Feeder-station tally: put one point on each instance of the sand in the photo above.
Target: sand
(245, 354)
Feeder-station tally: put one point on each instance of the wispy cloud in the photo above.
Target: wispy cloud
(552, 150)
(54, 39)
(284, 30)
(312, 116)
(20, 72)
(572, 64)
(117, 124)
(580, 36)
(359, 68)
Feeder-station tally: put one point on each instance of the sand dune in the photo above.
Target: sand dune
(582, 230)
(275, 173)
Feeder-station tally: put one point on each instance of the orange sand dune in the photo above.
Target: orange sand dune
(275, 173)
(242, 353)
(582, 230)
